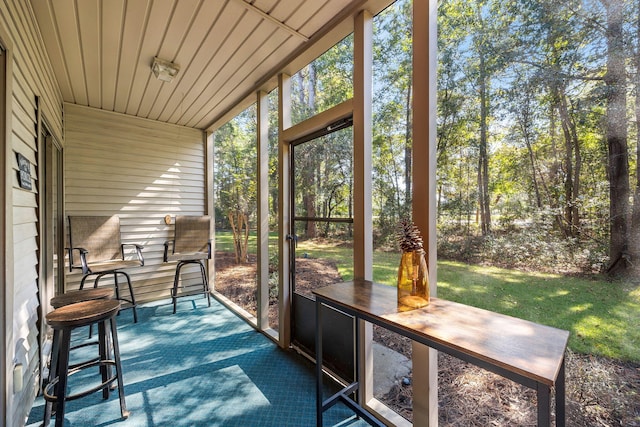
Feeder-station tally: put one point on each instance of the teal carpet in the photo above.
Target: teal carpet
(203, 366)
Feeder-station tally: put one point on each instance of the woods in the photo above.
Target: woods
(556, 101)
(538, 113)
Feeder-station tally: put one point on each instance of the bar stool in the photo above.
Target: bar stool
(64, 320)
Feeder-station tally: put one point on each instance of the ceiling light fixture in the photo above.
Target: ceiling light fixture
(164, 70)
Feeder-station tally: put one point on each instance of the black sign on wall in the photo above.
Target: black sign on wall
(24, 172)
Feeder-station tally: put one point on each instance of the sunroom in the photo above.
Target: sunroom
(132, 109)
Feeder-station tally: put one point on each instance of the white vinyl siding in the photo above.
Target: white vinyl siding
(140, 170)
(31, 77)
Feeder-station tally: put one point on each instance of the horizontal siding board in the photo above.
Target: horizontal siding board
(22, 250)
(23, 94)
(101, 130)
(24, 198)
(150, 199)
(124, 186)
(24, 147)
(26, 263)
(140, 211)
(23, 214)
(131, 170)
(24, 132)
(24, 103)
(152, 159)
(24, 231)
(123, 181)
(26, 288)
(121, 151)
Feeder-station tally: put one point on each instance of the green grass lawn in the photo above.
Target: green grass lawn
(602, 316)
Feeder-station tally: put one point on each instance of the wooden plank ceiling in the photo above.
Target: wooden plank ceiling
(102, 50)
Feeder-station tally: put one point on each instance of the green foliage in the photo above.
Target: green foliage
(325, 82)
(546, 101)
(529, 245)
(235, 172)
(392, 122)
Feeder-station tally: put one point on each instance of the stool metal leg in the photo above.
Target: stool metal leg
(53, 372)
(205, 281)
(104, 369)
(133, 298)
(176, 281)
(116, 355)
(116, 285)
(65, 345)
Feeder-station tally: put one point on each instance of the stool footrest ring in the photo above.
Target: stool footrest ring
(85, 344)
(48, 390)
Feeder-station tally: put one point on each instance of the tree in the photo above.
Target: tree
(235, 178)
(616, 135)
(634, 241)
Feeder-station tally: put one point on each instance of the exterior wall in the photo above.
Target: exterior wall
(140, 170)
(33, 94)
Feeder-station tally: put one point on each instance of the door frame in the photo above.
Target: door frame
(6, 306)
(287, 134)
(48, 286)
(338, 328)
(6, 229)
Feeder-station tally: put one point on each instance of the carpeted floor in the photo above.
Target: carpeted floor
(203, 366)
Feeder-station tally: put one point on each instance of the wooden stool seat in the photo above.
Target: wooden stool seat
(64, 320)
(82, 313)
(73, 297)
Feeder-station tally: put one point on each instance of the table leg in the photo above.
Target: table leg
(356, 375)
(544, 405)
(560, 397)
(318, 363)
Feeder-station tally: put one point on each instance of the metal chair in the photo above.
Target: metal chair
(97, 241)
(191, 245)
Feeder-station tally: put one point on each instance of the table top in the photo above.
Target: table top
(526, 348)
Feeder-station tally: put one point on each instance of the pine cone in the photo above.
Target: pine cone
(409, 237)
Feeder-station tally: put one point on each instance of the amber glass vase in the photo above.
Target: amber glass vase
(413, 280)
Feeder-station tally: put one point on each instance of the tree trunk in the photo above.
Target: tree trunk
(634, 237)
(240, 227)
(616, 136)
(309, 201)
(408, 150)
(524, 118)
(573, 164)
(483, 157)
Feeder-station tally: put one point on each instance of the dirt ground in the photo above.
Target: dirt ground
(600, 391)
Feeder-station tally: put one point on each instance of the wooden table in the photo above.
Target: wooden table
(528, 353)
